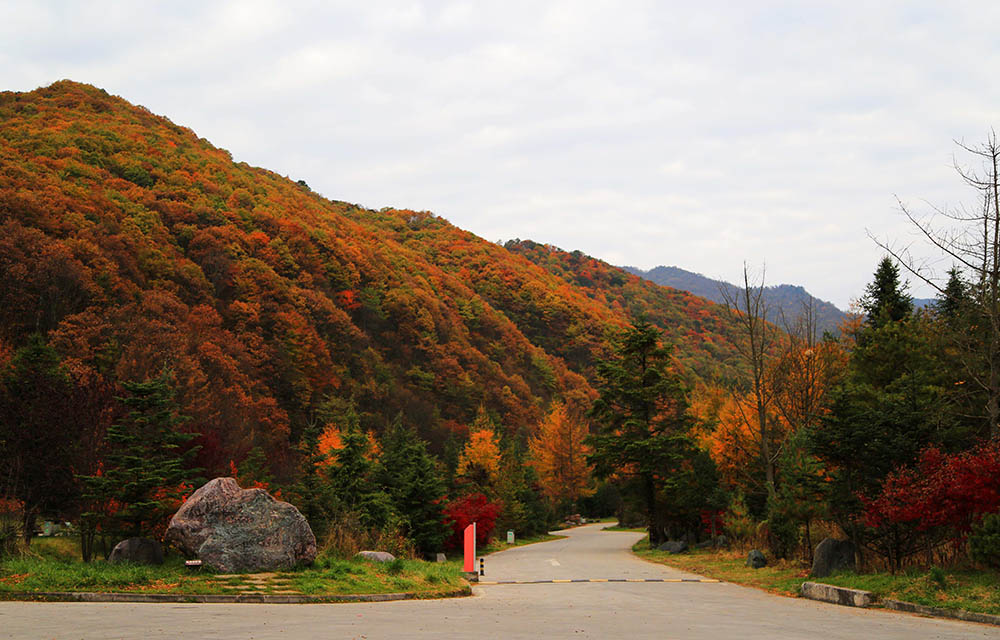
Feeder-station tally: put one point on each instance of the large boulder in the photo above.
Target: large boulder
(233, 529)
(138, 551)
(832, 555)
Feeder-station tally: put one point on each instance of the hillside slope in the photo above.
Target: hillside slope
(133, 245)
(700, 329)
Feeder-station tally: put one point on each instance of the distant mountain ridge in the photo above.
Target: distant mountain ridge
(783, 299)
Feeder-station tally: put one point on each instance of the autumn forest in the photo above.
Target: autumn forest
(168, 316)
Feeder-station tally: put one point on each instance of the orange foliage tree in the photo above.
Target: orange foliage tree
(795, 378)
(480, 459)
(559, 455)
(479, 462)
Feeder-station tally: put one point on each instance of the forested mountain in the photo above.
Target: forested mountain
(700, 329)
(783, 300)
(131, 246)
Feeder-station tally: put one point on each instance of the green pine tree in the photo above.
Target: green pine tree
(148, 460)
(525, 509)
(802, 492)
(893, 402)
(643, 417)
(885, 298)
(413, 482)
(311, 493)
(351, 477)
(954, 300)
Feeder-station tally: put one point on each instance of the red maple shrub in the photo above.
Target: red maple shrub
(940, 498)
(462, 512)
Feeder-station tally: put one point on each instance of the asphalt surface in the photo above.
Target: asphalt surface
(664, 610)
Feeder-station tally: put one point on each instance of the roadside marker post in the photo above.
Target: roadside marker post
(482, 569)
(469, 565)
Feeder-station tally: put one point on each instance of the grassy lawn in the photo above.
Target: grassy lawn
(496, 545)
(54, 565)
(967, 589)
(783, 578)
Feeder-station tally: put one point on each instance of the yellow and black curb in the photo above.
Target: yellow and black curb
(575, 580)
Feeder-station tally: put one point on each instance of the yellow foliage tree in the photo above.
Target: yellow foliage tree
(559, 455)
(479, 462)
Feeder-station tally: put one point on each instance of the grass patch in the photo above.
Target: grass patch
(37, 573)
(783, 577)
(618, 527)
(62, 548)
(54, 565)
(343, 577)
(499, 545)
(960, 588)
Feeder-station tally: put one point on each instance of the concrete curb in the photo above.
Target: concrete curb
(858, 598)
(836, 595)
(956, 614)
(242, 598)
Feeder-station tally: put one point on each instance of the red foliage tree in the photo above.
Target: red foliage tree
(464, 511)
(941, 497)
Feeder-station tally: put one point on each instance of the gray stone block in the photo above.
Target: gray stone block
(836, 595)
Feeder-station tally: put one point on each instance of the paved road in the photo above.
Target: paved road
(663, 610)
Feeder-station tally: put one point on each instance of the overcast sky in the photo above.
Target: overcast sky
(697, 134)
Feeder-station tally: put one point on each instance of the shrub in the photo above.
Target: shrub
(941, 491)
(984, 543)
(464, 511)
(395, 567)
(782, 532)
(938, 499)
(738, 522)
(938, 577)
(346, 536)
(10, 528)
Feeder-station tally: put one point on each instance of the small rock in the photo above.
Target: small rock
(718, 542)
(756, 559)
(832, 555)
(674, 546)
(376, 556)
(137, 550)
